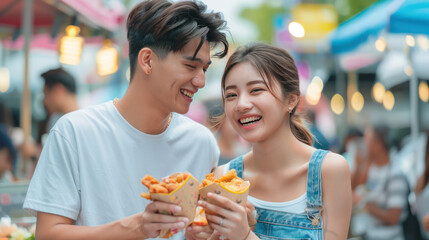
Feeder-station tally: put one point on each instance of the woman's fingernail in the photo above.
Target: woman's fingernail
(209, 194)
(185, 220)
(177, 209)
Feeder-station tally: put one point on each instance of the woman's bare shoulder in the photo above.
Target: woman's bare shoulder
(335, 167)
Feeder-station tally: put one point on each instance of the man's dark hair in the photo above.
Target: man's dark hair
(164, 26)
(59, 76)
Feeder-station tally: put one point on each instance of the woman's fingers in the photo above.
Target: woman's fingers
(225, 202)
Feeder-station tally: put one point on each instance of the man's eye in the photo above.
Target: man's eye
(190, 66)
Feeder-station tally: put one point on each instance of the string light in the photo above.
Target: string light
(107, 59)
(71, 46)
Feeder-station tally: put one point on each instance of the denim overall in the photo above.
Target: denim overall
(282, 225)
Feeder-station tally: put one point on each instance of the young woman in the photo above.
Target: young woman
(299, 192)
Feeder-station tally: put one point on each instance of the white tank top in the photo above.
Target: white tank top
(296, 206)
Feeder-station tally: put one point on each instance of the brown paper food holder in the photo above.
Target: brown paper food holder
(185, 195)
(237, 197)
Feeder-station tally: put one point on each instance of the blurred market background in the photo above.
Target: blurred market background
(361, 64)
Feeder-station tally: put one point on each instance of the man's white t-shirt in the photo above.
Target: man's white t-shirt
(92, 163)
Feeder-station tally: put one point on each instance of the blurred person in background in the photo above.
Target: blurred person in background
(422, 194)
(60, 98)
(353, 146)
(59, 94)
(87, 181)
(319, 140)
(7, 158)
(385, 191)
(287, 176)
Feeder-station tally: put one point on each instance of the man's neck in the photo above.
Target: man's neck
(136, 107)
(69, 105)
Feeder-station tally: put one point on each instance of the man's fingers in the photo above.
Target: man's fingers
(163, 207)
(162, 218)
(159, 226)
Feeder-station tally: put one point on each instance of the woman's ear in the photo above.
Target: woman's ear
(293, 100)
(144, 60)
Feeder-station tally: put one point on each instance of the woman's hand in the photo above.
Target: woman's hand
(198, 232)
(230, 220)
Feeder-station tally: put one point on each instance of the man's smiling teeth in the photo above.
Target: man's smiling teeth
(249, 120)
(187, 93)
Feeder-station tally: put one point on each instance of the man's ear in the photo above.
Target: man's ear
(144, 60)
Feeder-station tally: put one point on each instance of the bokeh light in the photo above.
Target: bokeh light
(337, 104)
(388, 100)
(357, 101)
(296, 29)
(423, 91)
(378, 92)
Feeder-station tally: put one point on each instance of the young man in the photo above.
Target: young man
(87, 182)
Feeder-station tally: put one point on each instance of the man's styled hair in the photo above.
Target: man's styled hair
(59, 76)
(164, 26)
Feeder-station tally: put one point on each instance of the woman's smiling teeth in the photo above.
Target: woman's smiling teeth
(249, 120)
(186, 93)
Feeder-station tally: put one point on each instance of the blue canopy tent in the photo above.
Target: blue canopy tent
(358, 29)
(412, 17)
(389, 16)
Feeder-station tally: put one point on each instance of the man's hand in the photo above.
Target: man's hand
(153, 219)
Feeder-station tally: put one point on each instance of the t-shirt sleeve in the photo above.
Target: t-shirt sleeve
(397, 190)
(55, 186)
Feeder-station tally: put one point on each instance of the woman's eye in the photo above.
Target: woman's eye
(257, 90)
(230, 95)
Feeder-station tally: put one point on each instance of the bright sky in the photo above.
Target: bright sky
(241, 30)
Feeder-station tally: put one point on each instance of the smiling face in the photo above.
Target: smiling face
(254, 110)
(176, 78)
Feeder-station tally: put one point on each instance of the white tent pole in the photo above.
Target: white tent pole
(27, 28)
(414, 93)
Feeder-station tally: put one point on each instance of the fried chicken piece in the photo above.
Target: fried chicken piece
(231, 174)
(148, 180)
(146, 195)
(171, 186)
(157, 188)
(235, 185)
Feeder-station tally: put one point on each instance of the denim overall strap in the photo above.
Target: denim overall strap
(314, 179)
(237, 164)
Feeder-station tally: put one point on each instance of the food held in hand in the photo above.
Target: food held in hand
(229, 181)
(200, 217)
(178, 188)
